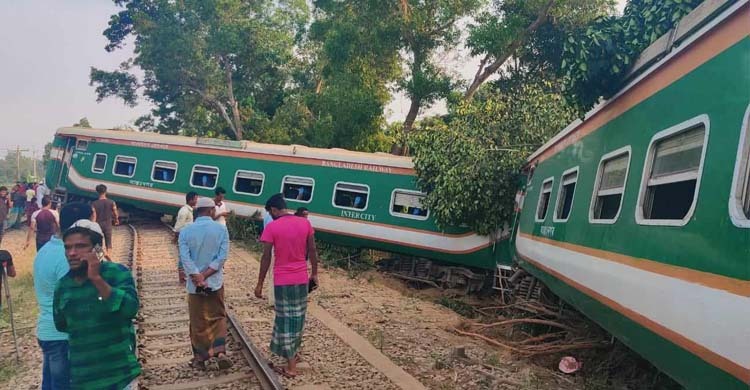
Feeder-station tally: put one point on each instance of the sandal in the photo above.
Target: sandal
(283, 372)
(223, 361)
(197, 364)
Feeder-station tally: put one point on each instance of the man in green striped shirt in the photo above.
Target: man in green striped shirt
(95, 303)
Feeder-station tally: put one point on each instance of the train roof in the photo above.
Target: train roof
(292, 151)
(699, 23)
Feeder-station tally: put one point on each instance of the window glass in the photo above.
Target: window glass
(565, 198)
(608, 197)
(541, 211)
(204, 177)
(679, 153)
(408, 204)
(246, 182)
(352, 196)
(82, 144)
(100, 163)
(125, 166)
(298, 188)
(164, 171)
(746, 194)
(671, 187)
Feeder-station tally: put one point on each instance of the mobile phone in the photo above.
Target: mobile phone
(99, 252)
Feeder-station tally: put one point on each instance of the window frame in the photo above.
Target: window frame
(367, 201)
(93, 163)
(626, 150)
(114, 165)
(687, 125)
(555, 218)
(262, 183)
(312, 192)
(192, 172)
(153, 169)
(402, 215)
(78, 148)
(741, 177)
(539, 201)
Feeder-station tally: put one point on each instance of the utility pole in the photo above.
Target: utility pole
(18, 151)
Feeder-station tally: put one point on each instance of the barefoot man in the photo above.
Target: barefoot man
(291, 238)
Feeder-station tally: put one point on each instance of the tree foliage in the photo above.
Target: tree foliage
(469, 162)
(210, 66)
(598, 57)
(510, 29)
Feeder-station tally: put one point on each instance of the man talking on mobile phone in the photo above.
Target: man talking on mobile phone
(95, 304)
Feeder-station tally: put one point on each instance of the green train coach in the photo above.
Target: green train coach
(365, 200)
(639, 215)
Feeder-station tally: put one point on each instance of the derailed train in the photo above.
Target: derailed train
(639, 215)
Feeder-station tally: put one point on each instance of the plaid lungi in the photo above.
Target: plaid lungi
(290, 306)
(208, 324)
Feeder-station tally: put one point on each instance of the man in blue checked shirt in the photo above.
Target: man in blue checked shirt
(204, 246)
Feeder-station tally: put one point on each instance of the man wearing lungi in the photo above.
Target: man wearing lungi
(204, 246)
(291, 238)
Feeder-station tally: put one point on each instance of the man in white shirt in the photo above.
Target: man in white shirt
(185, 215)
(184, 218)
(221, 206)
(41, 192)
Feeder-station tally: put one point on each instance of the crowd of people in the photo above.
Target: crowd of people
(87, 303)
(23, 200)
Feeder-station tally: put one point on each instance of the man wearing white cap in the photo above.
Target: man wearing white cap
(95, 304)
(204, 246)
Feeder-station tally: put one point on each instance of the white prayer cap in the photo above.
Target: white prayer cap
(204, 202)
(88, 224)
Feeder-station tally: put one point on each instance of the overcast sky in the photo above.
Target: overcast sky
(47, 49)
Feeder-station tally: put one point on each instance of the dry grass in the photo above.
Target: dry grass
(24, 304)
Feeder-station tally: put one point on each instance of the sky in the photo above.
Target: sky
(47, 51)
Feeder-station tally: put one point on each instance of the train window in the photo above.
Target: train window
(299, 189)
(100, 163)
(739, 204)
(164, 171)
(565, 195)
(672, 173)
(124, 166)
(610, 186)
(204, 176)
(82, 144)
(544, 197)
(351, 196)
(247, 182)
(408, 204)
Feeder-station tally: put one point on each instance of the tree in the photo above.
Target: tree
(598, 57)
(83, 122)
(468, 162)
(426, 27)
(355, 46)
(508, 26)
(210, 66)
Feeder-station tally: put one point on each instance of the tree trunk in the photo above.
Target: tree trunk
(236, 119)
(411, 117)
(484, 73)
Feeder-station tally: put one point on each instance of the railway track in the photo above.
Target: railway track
(162, 324)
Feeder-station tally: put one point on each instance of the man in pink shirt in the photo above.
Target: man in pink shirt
(291, 238)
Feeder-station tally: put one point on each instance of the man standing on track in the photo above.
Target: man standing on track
(50, 265)
(5, 206)
(105, 214)
(267, 218)
(204, 247)
(221, 213)
(184, 218)
(291, 238)
(95, 303)
(44, 222)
